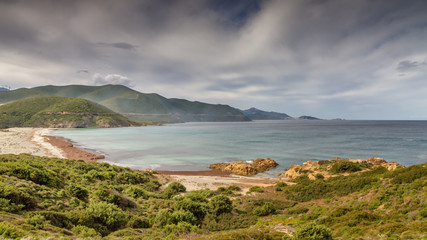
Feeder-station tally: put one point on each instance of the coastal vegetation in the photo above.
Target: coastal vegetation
(51, 197)
(59, 112)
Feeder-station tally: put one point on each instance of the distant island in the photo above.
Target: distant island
(257, 114)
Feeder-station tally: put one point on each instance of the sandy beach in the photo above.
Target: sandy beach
(36, 141)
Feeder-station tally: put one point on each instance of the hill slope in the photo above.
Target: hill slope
(58, 198)
(59, 112)
(133, 104)
(256, 114)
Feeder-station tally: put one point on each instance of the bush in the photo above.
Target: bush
(138, 222)
(409, 174)
(281, 184)
(342, 167)
(220, 204)
(265, 210)
(255, 189)
(183, 216)
(172, 189)
(77, 191)
(38, 221)
(423, 213)
(180, 228)
(313, 232)
(103, 217)
(85, 232)
(136, 192)
(163, 217)
(16, 196)
(197, 208)
(7, 206)
(8, 231)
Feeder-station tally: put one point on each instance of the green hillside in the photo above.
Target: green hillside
(50, 198)
(59, 112)
(133, 104)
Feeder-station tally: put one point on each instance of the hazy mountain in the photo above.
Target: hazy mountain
(59, 112)
(256, 114)
(133, 104)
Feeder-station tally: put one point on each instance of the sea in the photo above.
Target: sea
(193, 146)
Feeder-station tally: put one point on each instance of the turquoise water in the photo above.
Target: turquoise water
(193, 146)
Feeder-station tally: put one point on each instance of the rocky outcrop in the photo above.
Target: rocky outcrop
(313, 169)
(246, 168)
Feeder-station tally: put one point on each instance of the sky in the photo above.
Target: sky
(364, 59)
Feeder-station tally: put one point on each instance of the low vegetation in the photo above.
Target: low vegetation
(72, 199)
(59, 112)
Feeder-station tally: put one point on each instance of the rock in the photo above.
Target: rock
(244, 168)
(312, 168)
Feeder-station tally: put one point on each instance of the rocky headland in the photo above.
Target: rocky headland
(244, 168)
(329, 168)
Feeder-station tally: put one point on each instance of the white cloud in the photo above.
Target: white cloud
(99, 79)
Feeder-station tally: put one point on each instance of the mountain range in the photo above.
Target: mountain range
(257, 114)
(133, 104)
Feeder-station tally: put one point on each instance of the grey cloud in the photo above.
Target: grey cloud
(278, 52)
(406, 66)
(120, 45)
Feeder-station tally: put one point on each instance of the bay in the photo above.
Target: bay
(193, 146)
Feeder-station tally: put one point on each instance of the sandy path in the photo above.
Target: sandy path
(27, 140)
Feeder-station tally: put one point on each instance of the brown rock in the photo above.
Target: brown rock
(245, 169)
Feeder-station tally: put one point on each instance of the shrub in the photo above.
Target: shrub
(38, 221)
(85, 232)
(255, 189)
(128, 177)
(220, 204)
(138, 222)
(299, 210)
(313, 232)
(409, 174)
(228, 221)
(423, 213)
(136, 192)
(162, 218)
(281, 184)
(8, 231)
(77, 191)
(57, 219)
(197, 208)
(319, 176)
(172, 189)
(103, 217)
(180, 228)
(7, 206)
(342, 167)
(265, 210)
(16, 196)
(183, 216)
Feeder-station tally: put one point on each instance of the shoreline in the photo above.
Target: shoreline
(36, 141)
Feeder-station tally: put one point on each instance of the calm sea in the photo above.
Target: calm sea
(193, 146)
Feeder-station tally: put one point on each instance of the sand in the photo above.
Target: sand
(36, 141)
(27, 140)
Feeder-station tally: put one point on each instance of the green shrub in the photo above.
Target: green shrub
(57, 219)
(197, 208)
(255, 189)
(136, 192)
(77, 191)
(423, 213)
(409, 174)
(220, 204)
(298, 210)
(343, 167)
(228, 221)
(8, 231)
(138, 222)
(7, 206)
(103, 217)
(313, 232)
(180, 228)
(281, 184)
(135, 177)
(162, 218)
(16, 196)
(319, 176)
(172, 189)
(265, 210)
(86, 232)
(183, 216)
(38, 221)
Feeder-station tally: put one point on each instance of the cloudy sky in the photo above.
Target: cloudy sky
(364, 59)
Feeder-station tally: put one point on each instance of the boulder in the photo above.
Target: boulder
(244, 168)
